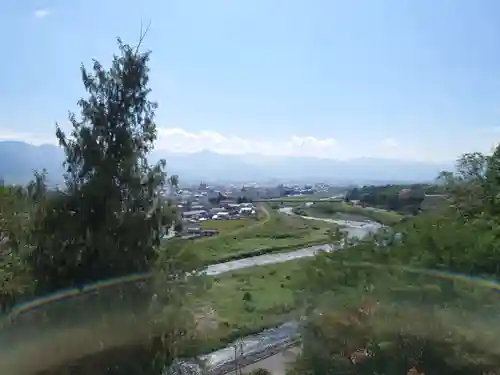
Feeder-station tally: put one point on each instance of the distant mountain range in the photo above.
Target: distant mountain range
(19, 159)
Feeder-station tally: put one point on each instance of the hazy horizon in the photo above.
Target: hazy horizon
(213, 167)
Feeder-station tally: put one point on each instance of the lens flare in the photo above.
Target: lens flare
(62, 327)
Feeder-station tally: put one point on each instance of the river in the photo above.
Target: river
(352, 228)
(256, 344)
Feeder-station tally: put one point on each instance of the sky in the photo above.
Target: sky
(406, 79)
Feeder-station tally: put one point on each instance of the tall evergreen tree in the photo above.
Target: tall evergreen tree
(109, 217)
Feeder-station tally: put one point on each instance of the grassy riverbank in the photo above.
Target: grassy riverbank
(340, 209)
(250, 300)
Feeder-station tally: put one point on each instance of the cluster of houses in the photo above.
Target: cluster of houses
(226, 211)
(203, 202)
(232, 211)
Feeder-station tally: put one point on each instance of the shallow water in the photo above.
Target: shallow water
(353, 228)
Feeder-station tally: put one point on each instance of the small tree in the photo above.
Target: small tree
(247, 297)
(174, 181)
(178, 226)
(261, 371)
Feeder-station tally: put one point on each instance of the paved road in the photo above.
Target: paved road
(262, 260)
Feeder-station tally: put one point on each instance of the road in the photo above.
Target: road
(20, 338)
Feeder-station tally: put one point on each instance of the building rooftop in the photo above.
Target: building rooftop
(194, 212)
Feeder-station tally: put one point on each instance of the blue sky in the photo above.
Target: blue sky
(386, 78)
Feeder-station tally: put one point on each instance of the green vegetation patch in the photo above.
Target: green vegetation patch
(228, 226)
(275, 232)
(407, 199)
(249, 300)
(333, 209)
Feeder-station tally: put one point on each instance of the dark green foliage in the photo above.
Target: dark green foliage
(243, 200)
(16, 205)
(383, 297)
(402, 198)
(178, 226)
(109, 218)
(247, 296)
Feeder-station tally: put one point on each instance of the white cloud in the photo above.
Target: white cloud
(41, 13)
(32, 138)
(180, 140)
(423, 148)
(356, 146)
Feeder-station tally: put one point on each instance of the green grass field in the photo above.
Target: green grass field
(249, 300)
(228, 226)
(270, 231)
